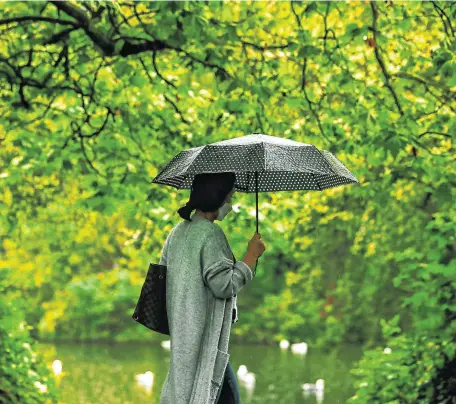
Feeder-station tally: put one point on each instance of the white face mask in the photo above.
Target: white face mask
(224, 210)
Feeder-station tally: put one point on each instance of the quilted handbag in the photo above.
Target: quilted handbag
(150, 310)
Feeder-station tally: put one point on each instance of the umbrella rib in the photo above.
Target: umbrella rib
(316, 182)
(326, 161)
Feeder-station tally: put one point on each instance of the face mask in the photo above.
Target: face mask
(224, 210)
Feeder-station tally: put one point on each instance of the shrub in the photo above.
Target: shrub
(412, 368)
(24, 377)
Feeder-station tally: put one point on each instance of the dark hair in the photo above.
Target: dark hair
(208, 192)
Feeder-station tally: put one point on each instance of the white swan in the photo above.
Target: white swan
(57, 367)
(166, 344)
(300, 348)
(145, 380)
(284, 344)
(249, 379)
(246, 377)
(242, 371)
(319, 386)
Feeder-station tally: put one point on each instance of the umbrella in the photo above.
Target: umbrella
(262, 163)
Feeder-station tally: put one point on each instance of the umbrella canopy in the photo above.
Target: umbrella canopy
(262, 163)
(277, 164)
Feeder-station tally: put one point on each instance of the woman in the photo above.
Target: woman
(203, 280)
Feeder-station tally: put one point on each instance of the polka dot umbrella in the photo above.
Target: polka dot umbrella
(262, 163)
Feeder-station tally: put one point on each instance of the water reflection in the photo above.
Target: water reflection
(135, 372)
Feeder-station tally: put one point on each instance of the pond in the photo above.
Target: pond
(105, 373)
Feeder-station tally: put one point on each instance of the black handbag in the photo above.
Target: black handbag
(150, 310)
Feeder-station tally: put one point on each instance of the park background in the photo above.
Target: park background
(96, 97)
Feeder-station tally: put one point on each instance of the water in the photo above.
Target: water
(105, 373)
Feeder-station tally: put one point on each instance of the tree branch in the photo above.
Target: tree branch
(380, 60)
(314, 113)
(107, 45)
(37, 18)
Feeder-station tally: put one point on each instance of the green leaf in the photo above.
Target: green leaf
(118, 46)
(452, 80)
(308, 51)
(138, 80)
(352, 28)
(394, 145)
(294, 102)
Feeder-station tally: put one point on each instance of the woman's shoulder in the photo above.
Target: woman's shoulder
(207, 229)
(215, 230)
(204, 228)
(218, 234)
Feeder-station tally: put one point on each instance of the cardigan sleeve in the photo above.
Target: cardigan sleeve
(224, 277)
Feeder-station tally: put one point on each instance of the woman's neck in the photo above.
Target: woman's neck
(207, 215)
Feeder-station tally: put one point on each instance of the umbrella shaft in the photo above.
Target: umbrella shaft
(256, 193)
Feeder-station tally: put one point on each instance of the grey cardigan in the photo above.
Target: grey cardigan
(202, 280)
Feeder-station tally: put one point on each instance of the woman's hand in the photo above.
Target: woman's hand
(256, 246)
